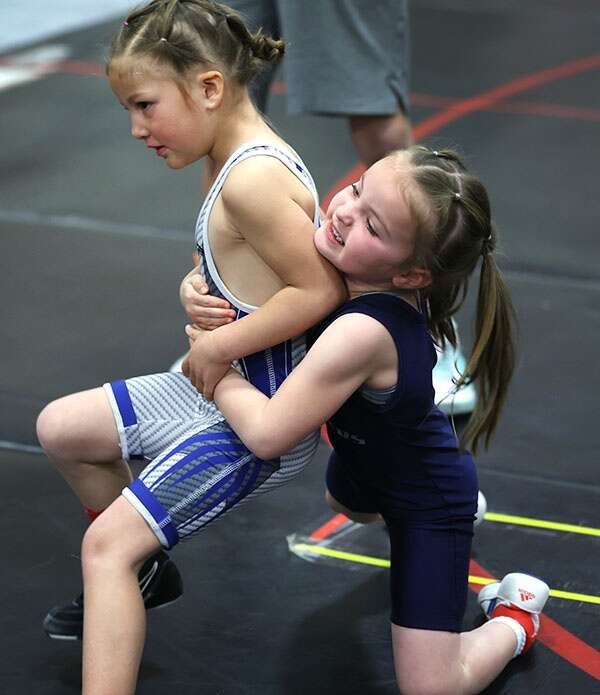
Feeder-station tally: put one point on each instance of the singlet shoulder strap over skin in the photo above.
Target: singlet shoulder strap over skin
(408, 328)
(252, 149)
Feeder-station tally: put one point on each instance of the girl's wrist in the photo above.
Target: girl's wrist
(218, 345)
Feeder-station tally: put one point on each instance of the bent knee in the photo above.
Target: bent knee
(96, 545)
(358, 517)
(79, 427)
(102, 548)
(53, 429)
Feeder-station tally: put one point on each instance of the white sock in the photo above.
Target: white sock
(517, 628)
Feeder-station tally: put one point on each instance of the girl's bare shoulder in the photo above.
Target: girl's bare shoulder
(263, 177)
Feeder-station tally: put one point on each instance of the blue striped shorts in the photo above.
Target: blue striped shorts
(199, 469)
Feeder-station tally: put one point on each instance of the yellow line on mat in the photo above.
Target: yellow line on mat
(381, 562)
(341, 555)
(540, 523)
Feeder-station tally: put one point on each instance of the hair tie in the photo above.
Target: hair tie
(486, 245)
(125, 23)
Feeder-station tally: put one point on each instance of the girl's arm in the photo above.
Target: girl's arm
(258, 200)
(348, 353)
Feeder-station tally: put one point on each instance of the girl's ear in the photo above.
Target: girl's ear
(412, 279)
(211, 86)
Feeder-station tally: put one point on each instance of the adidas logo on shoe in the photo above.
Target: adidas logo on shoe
(526, 595)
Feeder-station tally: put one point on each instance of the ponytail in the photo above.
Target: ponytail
(263, 47)
(493, 358)
(454, 233)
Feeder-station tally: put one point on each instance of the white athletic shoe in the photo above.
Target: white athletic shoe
(481, 509)
(450, 364)
(515, 595)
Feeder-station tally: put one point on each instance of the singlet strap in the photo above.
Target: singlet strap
(250, 149)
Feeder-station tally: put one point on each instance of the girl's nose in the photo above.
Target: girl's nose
(138, 130)
(344, 214)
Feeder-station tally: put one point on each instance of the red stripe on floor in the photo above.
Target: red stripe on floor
(330, 527)
(532, 108)
(486, 99)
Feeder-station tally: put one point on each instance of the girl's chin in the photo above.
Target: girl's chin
(320, 241)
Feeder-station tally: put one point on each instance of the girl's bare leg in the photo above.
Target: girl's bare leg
(448, 663)
(115, 619)
(79, 435)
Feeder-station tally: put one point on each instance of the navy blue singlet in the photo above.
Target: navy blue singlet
(400, 458)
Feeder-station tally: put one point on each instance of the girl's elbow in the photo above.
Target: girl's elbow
(266, 446)
(267, 450)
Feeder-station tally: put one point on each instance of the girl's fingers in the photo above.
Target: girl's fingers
(199, 285)
(210, 302)
(211, 312)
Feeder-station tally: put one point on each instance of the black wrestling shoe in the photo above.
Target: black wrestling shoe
(160, 584)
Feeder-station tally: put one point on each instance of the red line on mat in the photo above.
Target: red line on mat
(491, 96)
(531, 108)
(328, 528)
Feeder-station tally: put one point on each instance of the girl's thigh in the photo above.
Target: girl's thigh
(154, 411)
(81, 427)
(198, 469)
(429, 574)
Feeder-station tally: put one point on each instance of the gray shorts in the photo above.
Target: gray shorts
(346, 57)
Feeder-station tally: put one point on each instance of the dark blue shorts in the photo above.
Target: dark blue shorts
(429, 556)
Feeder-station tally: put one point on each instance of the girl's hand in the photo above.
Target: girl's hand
(203, 366)
(206, 311)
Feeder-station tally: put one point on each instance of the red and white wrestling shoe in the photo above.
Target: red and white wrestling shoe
(516, 601)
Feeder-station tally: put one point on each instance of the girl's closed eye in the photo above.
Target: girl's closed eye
(370, 229)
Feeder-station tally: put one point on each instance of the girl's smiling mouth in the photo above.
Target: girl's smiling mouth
(333, 234)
